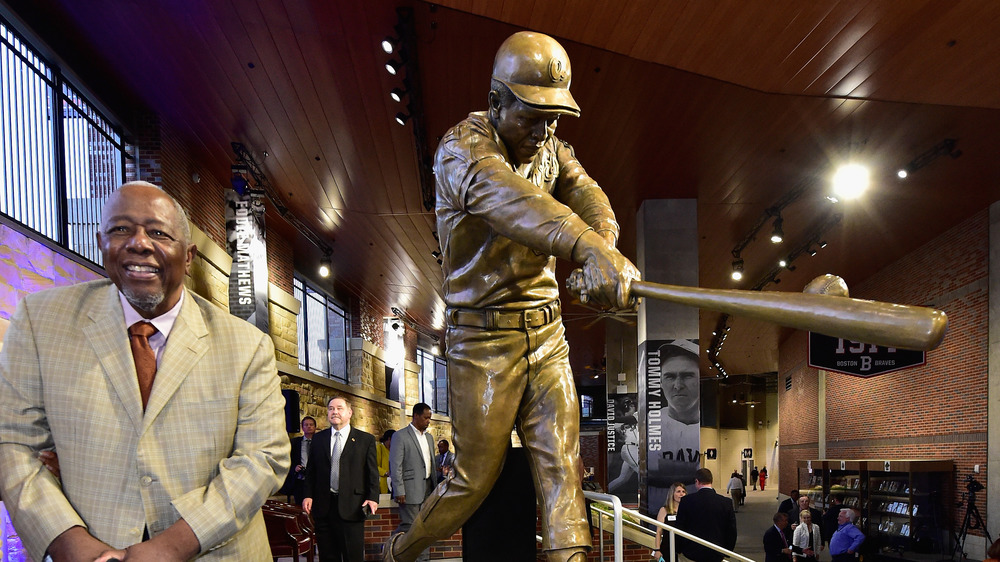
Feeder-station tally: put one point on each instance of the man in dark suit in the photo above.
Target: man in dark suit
(790, 502)
(295, 482)
(444, 460)
(708, 516)
(411, 468)
(341, 479)
(777, 547)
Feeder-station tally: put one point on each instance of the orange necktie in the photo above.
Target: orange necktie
(144, 357)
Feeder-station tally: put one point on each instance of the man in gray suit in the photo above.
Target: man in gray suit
(411, 467)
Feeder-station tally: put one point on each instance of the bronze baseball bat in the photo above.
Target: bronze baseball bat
(873, 322)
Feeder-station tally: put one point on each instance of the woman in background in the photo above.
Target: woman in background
(806, 541)
(668, 513)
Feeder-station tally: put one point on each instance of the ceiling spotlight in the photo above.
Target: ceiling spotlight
(782, 262)
(389, 44)
(812, 251)
(324, 267)
(737, 269)
(902, 173)
(397, 94)
(392, 67)
(822, 244)
(777, 235)
(850, 181)
(402, 118)
(436, 254)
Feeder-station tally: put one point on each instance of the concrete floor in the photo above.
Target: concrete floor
(753, 518)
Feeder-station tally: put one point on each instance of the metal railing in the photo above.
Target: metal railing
(670, 534)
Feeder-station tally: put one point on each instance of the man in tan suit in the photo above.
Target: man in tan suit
(167, 469)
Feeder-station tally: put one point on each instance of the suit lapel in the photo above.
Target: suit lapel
(416, 443)
(108, 336)
(186, 345)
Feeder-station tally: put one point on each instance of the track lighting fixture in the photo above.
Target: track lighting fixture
(325, 266)
(397, 95)
(850, 181)
(392, 67)
(782, 262)
(389, 44)
(737, 269)
(402, 118)
(777, 235)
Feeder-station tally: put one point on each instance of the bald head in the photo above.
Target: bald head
(148, 190)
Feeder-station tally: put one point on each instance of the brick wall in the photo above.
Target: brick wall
(28, 266)
(937, 410)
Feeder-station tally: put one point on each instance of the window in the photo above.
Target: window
(433, 381)
(60, 157)
(586, 406)
(322, 327)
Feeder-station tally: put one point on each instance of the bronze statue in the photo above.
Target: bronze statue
(511, 197)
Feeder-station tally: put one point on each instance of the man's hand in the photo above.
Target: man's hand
(307, 504)
(50, 460)
(299, 468)
(371, 505)
(401, 500)
(76, 543)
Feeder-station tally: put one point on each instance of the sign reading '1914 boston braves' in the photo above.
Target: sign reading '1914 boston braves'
(859, 359)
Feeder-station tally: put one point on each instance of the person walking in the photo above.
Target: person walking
(735, 490)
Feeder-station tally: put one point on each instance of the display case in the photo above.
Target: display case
(904, 505)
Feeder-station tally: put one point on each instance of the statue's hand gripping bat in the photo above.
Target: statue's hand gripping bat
(824, 308)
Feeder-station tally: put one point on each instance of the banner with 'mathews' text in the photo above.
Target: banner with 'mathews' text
(672, 411)
(245, 244)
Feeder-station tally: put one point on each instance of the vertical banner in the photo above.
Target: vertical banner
(623, 446)
(672, 404)
(246, 245)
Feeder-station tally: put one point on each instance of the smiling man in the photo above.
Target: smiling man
(511, 198)
(165, 411)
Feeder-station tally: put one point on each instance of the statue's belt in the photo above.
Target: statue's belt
(498, 319)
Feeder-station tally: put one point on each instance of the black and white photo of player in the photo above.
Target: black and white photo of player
(673, 415)
(623, 447)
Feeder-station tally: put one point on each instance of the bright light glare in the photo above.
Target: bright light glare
(850, 181)
(737, 275)
(902, 174)
(324, 270)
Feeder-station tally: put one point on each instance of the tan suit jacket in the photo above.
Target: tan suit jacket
(210, 447)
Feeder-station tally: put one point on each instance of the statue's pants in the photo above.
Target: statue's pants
(499, 378)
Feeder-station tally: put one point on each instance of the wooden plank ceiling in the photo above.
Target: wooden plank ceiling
(735, 103)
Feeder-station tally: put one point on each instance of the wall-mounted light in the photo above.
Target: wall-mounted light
(397, 95)
(737, 269)
(389, 44)
(392, 67)
(402, 118)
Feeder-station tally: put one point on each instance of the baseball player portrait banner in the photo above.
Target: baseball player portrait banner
(670, 392)
(623, 447)
(246, 245)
